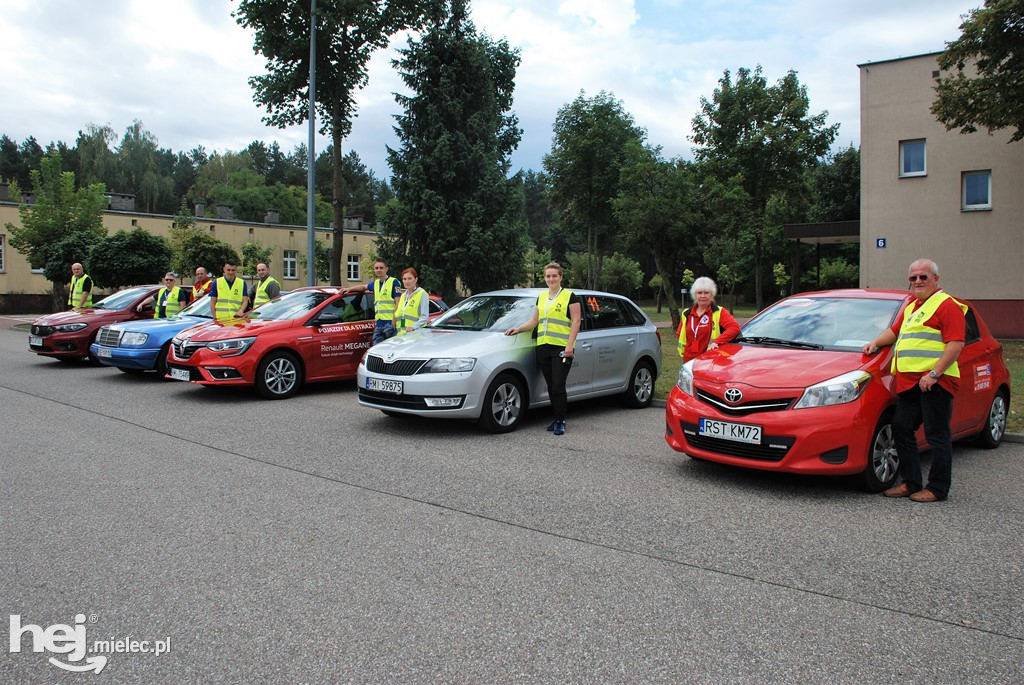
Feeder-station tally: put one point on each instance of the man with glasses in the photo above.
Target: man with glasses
(929, 334)
(169, 300)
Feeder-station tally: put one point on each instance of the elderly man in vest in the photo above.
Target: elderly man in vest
(929, 335)
(169, 300)
(202, 284)
(228, 296)
(80, 293)
(267, 288)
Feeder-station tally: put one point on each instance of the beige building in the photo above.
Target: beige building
(24, 290)
(929, 192)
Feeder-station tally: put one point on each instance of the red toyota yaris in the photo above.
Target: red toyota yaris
(305, 336)
(795, 393)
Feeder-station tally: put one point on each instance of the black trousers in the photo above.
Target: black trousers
(555, 369)
(935, 410)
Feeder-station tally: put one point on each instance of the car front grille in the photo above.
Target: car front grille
(772, 448)
(108, 337)
(774, 404)
(42, 331)
(402, 367)
(186, 351)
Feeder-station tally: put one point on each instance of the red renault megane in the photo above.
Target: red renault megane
(795, 393)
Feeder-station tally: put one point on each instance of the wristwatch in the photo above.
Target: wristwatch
(933, 374)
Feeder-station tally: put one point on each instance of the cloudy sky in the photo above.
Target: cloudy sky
(181, 66)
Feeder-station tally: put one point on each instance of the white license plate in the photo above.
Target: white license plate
(381, 385)
(178, 374)
(726, 430)
(35, 340)
(104, 352)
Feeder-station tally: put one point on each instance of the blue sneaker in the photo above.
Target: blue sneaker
(551, 426)
(559, 428)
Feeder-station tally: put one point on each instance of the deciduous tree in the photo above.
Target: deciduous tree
(984, 85)
(129, 258)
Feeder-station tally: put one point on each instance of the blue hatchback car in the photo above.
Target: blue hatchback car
(137, 346)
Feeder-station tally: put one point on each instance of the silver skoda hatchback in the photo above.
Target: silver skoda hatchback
(461, 365)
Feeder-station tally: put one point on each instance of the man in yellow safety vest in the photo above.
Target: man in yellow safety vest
(228, 295)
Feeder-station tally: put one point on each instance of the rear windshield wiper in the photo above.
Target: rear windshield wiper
(779, 342)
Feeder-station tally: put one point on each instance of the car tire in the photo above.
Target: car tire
(995, 424)
(640, 389)
(504, 404)
(279, 376)
(161, 360)
(883, 462)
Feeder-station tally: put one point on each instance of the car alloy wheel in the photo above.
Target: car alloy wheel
(883, 462)
(995, 424)
(279, 376)
(640, 390)
(503, 405)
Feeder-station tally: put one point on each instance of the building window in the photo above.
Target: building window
(912, 158)
(353, 267)
(2, 252)
(976, 190)
(290, 260)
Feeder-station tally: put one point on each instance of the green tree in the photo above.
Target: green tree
(621, 275)
(96, 160)
(129, 258)
(323, 262)
(660, 214)
(253, 253)
(59, 211)
(348, 33)
(138, 169)
(835, 186)
(589, 149)
(195, 248)
(58, 257)
(762, 137)
(457, 215)
(986, 83)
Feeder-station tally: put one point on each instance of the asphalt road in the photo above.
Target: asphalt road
(313, 541)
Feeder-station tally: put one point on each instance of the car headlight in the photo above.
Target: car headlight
(70, 327)
(448, 365)
(685, 381)
(134, 339)
(838, 390)
(235, 346)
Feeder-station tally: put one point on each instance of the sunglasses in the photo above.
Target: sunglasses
(918, 277)
(169, 280)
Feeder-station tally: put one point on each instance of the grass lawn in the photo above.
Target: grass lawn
(1013, 355)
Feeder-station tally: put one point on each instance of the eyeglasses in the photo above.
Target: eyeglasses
(169, 280)
(918, 277)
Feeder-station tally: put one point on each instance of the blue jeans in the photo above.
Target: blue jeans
(935, 410)
(383, 330)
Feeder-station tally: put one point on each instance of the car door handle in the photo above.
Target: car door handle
(631, 341)
(305, 337)
(585, 345)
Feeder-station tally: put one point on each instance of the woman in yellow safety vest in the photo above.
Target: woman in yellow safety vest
(705, 325)
(414, 305)
(557, 320)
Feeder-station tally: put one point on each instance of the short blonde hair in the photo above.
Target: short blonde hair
(553, 265)
(703, 284)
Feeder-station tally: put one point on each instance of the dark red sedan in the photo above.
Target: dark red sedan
(67, 335)
(305, 336)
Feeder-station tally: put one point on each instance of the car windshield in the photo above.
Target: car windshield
(122, 299)
(200, 307)
(487, 313)
(291, 306)
(835, 323)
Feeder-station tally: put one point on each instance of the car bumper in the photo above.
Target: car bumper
(57, 345)
(126, 358)
(819, 441)
(451, 395)
(208, 368)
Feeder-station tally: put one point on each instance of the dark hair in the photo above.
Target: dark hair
(230, 262)
(412, 271)
(381, 260)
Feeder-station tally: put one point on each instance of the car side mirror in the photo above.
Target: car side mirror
(328, 320)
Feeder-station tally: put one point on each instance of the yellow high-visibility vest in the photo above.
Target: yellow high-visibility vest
(261, 291)
(384, 298)
(171, 304)
(76, 291)
(919, 347)
(229, 298)
(554, 324)
(409, 309)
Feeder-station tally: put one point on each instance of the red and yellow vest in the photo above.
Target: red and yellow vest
(716, 326)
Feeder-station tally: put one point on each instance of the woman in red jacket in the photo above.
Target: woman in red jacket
(705, 325)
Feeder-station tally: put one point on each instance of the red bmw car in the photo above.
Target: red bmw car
(305, 336)
(67, 335)
(795, 393)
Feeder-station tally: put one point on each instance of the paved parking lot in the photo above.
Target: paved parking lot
(313, 541)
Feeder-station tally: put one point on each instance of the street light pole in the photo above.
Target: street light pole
(311, 153)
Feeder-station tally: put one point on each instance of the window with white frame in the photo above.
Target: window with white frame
(913, 158)
(353, 267)
(2, 236)
(290, 261)
(976, 190)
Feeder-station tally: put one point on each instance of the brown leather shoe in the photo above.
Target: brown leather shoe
(925, 495)
(901, 490)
